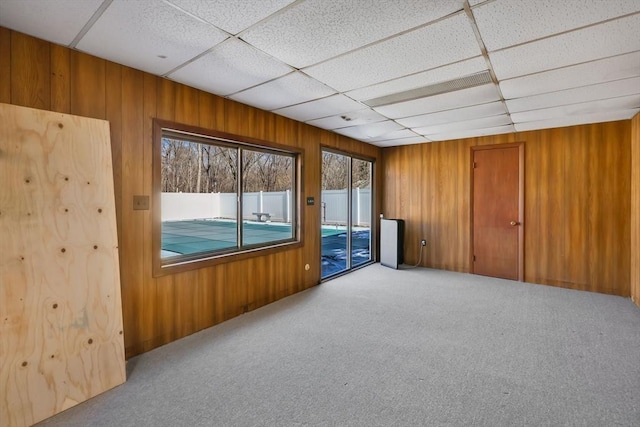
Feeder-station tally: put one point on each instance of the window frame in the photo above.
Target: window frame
(196, 134)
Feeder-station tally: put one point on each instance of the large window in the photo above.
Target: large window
(220, 196)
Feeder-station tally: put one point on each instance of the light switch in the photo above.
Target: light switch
(140, 203)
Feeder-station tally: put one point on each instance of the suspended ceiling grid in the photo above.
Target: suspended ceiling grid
(384, 72)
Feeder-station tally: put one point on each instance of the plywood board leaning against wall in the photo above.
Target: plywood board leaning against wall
(61, 336)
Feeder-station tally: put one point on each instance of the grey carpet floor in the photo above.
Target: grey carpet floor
(383, 347)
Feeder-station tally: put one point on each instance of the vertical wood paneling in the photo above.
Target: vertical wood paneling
(132, 221)
(60, 79)
(635, 209)
(5, 66)
(88, 91)
(149, 290)
(577, 205)
(30, 72)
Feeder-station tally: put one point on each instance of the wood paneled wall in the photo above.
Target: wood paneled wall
(577, 204)
(635, 209)
(159, 310)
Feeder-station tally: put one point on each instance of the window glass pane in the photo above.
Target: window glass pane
(268, 197)
(335, 213)
(199, 197)
(361, 202)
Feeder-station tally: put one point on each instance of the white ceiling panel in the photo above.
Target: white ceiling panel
(230, 67)
(605, 116)
(60, 22)
(138, 33)
(315, 30)
(441, 43)
(471, 133)
(456, 115)
(576, 95)
(396, 134)
(401, 141)
(320, 108)
(485, 122)
(551, 17)
(604, 70)
(446, 101)
(614, 104)
(349, 118)
(436, 75)
(476, 2)
(234, 16)
(291, 89)
(597, 42)
(369, 131)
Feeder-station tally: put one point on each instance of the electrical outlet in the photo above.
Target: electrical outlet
(423, 242)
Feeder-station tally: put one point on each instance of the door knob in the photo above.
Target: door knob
(514, 223)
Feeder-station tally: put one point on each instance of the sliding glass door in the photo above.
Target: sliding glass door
(346, 212)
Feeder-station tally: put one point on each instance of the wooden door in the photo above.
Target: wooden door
(497, 211)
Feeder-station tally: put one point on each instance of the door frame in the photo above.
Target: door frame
(520, 146)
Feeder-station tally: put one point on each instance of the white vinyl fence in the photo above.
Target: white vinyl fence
(278, 204)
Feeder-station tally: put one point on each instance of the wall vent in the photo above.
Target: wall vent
(466, 82)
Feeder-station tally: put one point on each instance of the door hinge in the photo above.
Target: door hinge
(475, 165)
(474, 257)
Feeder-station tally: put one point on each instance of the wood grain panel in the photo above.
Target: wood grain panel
(635, 209)
(5, 66)
(60, 79)
(577, 187)
(160, 310)
(132, 221)
(30, 72)
(149, 311)
(61, 334)
(88, 92)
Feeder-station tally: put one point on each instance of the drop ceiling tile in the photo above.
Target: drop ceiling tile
(425, 78)
(604, 70)
(397, 134)
(369, 131)
(524, 21)
(600, 117)
(324, 107)
(234, 16)
(456, 115)
(576, 95)
(476, 2)
(351, 118)
(597, 42)
(471, 133)
(446, 41)
(446, 101)
(230, 67)
(315, 30)
(291, 89)
(60, 21)
(401, 141)
(485, 122)
(137, 33)
(623, 103)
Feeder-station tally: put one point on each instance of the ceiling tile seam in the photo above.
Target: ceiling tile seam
(428, 70)
(568, 66)
(196, 17)
(606, 21)
(577, 103)
(195, 58)
(347, 125)
(466, 130)
(87, 26)
(579, 87)
(458, 121)
(314, 100)
(442, 111)
(268, 17)
(385, 39)
(485, 55)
